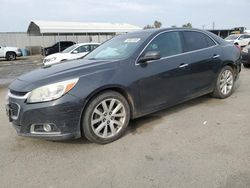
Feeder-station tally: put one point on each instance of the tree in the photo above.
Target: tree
(157, 24)
(148, 27)
(188, 25)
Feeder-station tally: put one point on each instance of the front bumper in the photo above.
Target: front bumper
(64, 114)
(19, 54)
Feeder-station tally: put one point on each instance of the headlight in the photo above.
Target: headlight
(51, 92)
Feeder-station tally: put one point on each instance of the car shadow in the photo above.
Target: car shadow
(150, 120)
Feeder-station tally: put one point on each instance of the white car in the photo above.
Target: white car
(10, 53)
(239, 39)
(73, 52)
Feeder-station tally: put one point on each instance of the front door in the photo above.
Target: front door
(164, 81)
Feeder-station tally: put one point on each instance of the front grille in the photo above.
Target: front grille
(14, 109)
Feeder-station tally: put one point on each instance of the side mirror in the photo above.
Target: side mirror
(75, 52)
(149, 56)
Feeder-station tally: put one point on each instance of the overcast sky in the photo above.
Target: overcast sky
(15, 15)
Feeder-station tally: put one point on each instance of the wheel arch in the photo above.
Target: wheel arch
(232, 65)
(120, 89)
(9, 52)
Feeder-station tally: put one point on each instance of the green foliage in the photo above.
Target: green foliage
(188, 25)
(157, 24)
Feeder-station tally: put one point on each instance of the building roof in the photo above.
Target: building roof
(46, 27)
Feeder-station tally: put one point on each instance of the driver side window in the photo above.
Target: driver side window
(167, 44)
(82, 49)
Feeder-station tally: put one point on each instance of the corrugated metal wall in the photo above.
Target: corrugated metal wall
(22, 40)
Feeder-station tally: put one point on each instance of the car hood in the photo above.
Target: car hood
(60, 72)
(56, 55)
(9, 48)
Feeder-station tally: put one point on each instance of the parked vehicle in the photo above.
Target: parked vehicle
(127, 77)
(10, 53)
(246, 56)
(239, 39)
(57, 47)
(73, 52)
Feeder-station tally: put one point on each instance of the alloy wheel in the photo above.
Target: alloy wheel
(226, 82)
(108, 118)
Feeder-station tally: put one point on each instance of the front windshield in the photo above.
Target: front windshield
(232, 37)
(119, 47)
(69, 49)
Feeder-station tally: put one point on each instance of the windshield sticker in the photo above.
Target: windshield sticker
(132, 40)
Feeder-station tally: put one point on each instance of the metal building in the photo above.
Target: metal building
(46, 33)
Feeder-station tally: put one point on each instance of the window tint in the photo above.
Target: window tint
(196, 40)
(82, 49)
(92, 47)
(167, 44)
(245, 36)
(66, 44)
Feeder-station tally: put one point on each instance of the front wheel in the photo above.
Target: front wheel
(10, 56)
(225, 83)
(106, 117)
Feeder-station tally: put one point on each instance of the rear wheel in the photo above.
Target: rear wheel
(10, 56)
(225, 83)
(106, 117)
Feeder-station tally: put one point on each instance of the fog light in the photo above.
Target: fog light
(47, 127)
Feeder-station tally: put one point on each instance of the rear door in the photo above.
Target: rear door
(203, 59)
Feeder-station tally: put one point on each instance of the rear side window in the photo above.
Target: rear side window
(196, 41)
(167, 44)
(66, 44)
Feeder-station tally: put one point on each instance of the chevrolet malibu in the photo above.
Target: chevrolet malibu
(127, 77)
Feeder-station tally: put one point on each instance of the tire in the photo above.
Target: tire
(104, 126)
(10, 56)
(225, 83)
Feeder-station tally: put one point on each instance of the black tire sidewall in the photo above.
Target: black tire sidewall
(86, 122)
(9, 54)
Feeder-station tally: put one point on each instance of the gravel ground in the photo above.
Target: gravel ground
(200, 143)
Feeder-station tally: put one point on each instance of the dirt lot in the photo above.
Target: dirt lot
(201, 143)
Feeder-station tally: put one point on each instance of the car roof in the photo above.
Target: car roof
(154, 30)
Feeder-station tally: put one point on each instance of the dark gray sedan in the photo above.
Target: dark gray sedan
(127, 77)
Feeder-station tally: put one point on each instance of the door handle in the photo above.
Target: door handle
(183, 65)
(216, 56)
